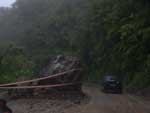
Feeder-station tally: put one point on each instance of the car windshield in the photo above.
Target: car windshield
(110, 78)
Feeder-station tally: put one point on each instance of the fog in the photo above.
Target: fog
(6, 3)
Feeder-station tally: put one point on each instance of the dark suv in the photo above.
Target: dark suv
(111, 84)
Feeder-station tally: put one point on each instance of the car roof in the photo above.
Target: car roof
(109, 78)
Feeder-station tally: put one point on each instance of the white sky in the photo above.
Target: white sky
(6, 3)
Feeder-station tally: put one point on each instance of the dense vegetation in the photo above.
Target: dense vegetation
(110, 36)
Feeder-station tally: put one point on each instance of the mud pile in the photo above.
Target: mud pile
(56, 65)
(60, 64)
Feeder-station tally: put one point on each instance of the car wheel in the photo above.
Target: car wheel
(119, 91)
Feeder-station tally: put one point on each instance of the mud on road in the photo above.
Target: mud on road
(98, 103)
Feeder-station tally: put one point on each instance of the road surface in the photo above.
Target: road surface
(98, 102)
(110, 103)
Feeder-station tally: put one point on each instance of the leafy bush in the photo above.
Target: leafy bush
(14, 64)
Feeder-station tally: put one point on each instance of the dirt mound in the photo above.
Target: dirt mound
(54, 103)
(60, 64)
(40, 106)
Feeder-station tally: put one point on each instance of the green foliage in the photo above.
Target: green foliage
(117, 41)
(111, 37)
(14, 64)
